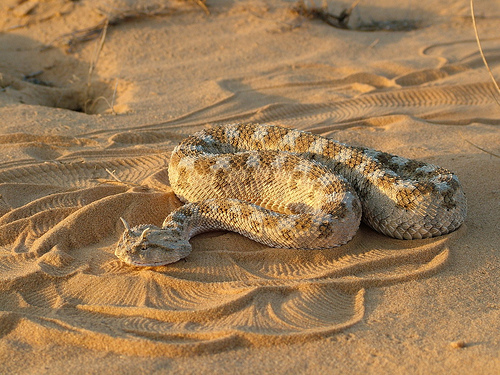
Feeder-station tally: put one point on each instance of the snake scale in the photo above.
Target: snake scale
(293, 189)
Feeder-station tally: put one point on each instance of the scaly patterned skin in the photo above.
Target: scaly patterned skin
(293, 189)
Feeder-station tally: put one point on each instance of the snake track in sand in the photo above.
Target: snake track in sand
(293, 189)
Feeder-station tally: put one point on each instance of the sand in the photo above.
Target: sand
(78, 153)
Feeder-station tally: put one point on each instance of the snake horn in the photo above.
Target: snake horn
(125, 224)
(143, 234)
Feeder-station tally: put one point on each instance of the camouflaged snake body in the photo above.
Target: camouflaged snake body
(293, 189)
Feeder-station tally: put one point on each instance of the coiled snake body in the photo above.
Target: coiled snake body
(293, 189)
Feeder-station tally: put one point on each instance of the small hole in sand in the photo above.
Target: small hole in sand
(37, 89)
(35, 74)
(79, 97)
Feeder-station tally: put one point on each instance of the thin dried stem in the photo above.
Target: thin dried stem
(112, 174)
(203, 5)
(93, 63)
(113, 98)
(479, 148)
(481, 50)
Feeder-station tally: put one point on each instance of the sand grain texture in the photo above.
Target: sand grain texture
(66, 177)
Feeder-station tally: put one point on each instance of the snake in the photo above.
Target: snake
(288, 188)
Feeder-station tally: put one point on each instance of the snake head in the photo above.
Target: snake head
(149, 245)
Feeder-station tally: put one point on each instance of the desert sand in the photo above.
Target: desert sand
(87, 124)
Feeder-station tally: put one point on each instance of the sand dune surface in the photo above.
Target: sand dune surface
(87, 126)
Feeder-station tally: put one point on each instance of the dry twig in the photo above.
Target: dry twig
(479, 148)
(93, 64)
(322, 14)
(481, 51)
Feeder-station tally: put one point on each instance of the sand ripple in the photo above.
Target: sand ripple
(59, 225)
(58, 272)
